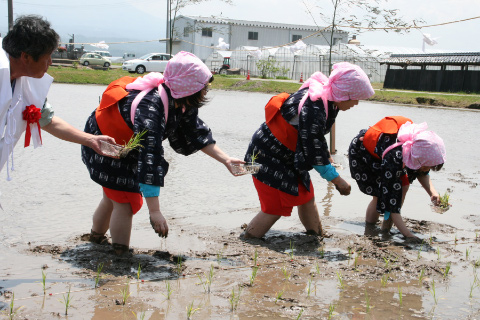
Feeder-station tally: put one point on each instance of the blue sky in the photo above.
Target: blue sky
(95, 20)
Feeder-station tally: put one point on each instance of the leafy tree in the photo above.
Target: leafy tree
(267, 66)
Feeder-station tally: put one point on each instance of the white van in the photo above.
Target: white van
(103, 53)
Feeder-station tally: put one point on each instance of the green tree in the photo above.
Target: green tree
(267, 66)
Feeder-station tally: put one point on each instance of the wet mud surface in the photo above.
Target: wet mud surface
(353, 272)
(205, 266)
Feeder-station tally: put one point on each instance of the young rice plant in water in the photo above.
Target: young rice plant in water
(99, 271)
(234, 299)
(67, 300)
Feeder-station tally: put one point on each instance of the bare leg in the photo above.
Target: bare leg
(372, 214)
(121, 224)
(387, 225)
(308, 214)
(101, 216)
(260, 224)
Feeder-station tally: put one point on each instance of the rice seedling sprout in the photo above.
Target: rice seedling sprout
(191, 310)
(253, 275)
(341, 284)
(447, 270)
(67, 300)
(255, 257)
(44, 280)
(432, 290)
(179, 265)
(292, 248)
(309, 287)
(367, 301)
(331, 310)
(400, 295)
(139, 271)
(384, 280)
(235, 299)
(208, 280)
(444, 200)
(286, 274)
(11, 307)
(219, 256)
(321, 252)
(99, 271)
(299, 314)
(169, 290)
(140, 316)
(279, 295)
(473, 285)
(422, 275)
(125, 291)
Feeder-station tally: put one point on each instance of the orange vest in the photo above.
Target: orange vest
(109, 120)
(389, 125)
(280, 128)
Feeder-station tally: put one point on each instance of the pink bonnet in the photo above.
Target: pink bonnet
(186, 74)
(349, 82)
(346, 82)
(421, 147)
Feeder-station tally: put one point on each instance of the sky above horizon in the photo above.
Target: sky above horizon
(143, 20)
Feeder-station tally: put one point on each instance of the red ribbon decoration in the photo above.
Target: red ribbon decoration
(31, 114)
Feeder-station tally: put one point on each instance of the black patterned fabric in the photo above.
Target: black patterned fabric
(380, 178)
(282, 168)
(186, 132)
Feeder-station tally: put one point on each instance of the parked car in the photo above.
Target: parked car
(152, 62)
(94, 59)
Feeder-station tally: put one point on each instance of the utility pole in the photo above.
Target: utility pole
(10, 15)
(168, 31)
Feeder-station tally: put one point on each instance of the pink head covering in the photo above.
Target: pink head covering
(420, 147)
(186, 74)
(346, 82)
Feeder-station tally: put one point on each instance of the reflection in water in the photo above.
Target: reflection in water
(327, 200)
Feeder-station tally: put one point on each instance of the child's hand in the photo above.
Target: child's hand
(342, 186)
(435, 198)
(233, 161)
(159, 223)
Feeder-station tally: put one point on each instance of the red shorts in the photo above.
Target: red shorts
(279, 203)
(135, 199)
(404, 179)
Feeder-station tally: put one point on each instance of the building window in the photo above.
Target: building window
(296, 37)
(252, 35)
(186, 31)
(207, 32)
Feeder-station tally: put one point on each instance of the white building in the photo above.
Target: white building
(199, 34)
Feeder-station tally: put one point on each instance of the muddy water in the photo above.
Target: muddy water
(51, 199)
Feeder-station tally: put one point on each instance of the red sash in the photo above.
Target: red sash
(388, 125)
(108, 117)
(280, 128)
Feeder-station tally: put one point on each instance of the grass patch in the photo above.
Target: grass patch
(83, 75)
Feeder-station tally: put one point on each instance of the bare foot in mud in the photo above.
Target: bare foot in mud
(371, 229)
(159, 224)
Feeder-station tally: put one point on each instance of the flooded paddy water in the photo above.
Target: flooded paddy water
(204, 264)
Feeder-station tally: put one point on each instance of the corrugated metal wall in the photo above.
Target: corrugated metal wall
(433, 80)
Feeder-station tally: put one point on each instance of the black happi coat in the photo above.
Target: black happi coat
(380, 178)
(282, 168)
(185, 131)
